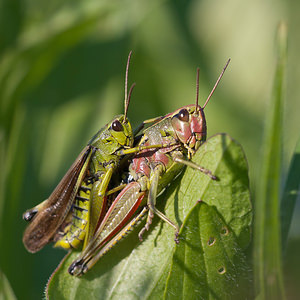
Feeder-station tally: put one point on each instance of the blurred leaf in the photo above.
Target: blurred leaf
(267, 255)
(134, 270)
(39, 48)
(290, 196)
(11, 17)
(6, 292)
(208, 263)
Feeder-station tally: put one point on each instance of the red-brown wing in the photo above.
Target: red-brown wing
(54, 210)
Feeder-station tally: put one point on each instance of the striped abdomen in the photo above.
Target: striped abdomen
(75, 232)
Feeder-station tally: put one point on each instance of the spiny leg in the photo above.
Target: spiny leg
(154, 180)
(121, 210)
(116, 189)
(141, 147)
(194, 166)
(80, 267)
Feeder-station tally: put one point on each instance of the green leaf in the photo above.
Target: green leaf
(208, 263)
(267, 244)
(134, 270)
(290, 196)
(230, 193)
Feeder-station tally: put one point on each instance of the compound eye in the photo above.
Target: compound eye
(117, 126)
(183, 115)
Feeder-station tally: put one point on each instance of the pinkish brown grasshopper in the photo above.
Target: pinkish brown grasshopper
(175, 138)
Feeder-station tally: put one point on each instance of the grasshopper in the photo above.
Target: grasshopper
(174, 140)
(72, 211)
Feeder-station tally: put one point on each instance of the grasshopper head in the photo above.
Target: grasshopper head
(121, 131)
(190, 126)
(120, 128)
(189, 122)
(115, 135)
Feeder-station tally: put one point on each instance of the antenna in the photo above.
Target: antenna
(216, 84)
(127, 98)
(197, 89)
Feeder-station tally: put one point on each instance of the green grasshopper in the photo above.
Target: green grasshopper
(75, 206)
(174, 140)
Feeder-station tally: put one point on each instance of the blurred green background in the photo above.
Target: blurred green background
(62, 69)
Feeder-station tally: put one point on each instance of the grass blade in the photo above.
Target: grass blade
(290, 196)
(6, 291)
(267, 244)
